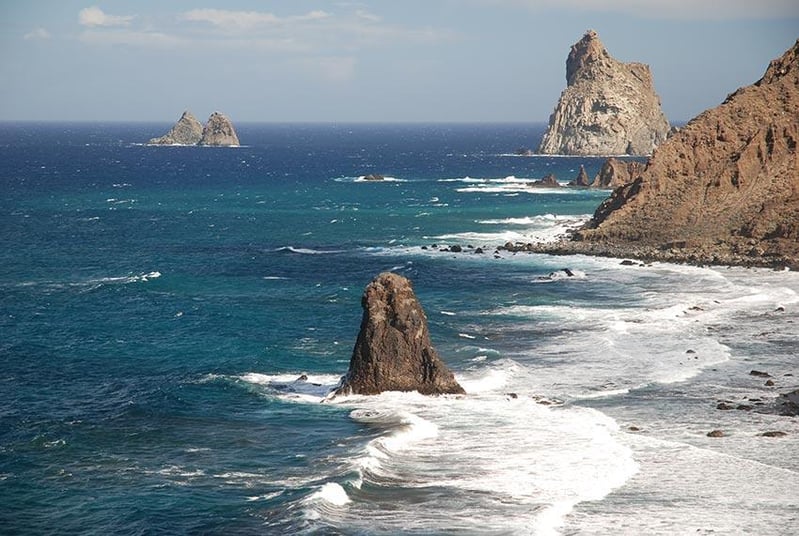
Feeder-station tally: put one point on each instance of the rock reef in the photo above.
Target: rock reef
(607, 108)
(722, 190)
(218, 131)
(393, 351)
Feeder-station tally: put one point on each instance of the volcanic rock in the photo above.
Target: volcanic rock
(607, 108)
(219, 132)
(723, 188)
(616, 172)
(393, 351)
(187, 131)
(581, 180)
(547, 181)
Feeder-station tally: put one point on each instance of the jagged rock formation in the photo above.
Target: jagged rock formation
(724, 189)
(219, 131)
(581, 180)
(187, 131)
(607, 108)
(615, 173)
(393, 351)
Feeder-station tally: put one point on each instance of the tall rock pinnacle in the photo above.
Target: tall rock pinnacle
(607, 108)
(393, 351)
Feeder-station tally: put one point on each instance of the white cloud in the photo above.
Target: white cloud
(94, 16)
(228, 19)
(37, 34)
(672, 9)
(128, 37)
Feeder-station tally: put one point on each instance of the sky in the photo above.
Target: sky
(366, 61)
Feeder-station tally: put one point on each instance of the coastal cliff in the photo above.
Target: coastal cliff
(724, 189)
(608, 107)
(393, 351)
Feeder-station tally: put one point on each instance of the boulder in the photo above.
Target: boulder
(607, 108)
(788, 404)
(219, 132)
(187, 131)
(393, 351)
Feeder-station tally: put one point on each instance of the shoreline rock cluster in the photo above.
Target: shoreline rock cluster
(607, 108)
(217, 132)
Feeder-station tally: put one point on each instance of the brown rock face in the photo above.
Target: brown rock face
(581, 180)
(219, 131)
(393, 351)
(615, 173)
(727, 182)
(187, 131)
(607, 108)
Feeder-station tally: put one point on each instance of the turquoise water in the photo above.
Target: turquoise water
(159, 303)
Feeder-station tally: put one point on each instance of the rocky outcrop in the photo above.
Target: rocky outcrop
(393, 351)
(725, 186)
(219, 132)
(581, 180)
(607, 108)
(616, 172)
(187, 131)
(547, 181)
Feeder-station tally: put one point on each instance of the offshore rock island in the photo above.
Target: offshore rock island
(393, 351)
(218, 132)
(608, 107)
(723, 190)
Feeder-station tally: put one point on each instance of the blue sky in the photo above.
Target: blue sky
(370, 60)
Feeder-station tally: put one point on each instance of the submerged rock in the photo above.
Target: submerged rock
(607, 108)
(187, 131)
(393, 351)
(219, 132)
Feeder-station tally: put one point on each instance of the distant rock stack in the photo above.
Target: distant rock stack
(607, 108)
(393, 351)
(725, 186)
(219, 132)
(187, 131)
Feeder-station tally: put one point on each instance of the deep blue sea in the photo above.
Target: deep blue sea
(158, 305)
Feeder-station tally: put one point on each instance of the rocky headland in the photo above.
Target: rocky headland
(218, 131)
(723, 190)
(393, 351)
(608, 107)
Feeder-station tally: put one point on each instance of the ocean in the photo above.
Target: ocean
(158, 306)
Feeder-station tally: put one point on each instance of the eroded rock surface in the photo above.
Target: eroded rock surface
(219, 131)
(393, 351)
(608, 107)
(187, 131)
(725, 186)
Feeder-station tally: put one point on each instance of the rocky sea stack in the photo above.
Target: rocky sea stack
(187, 131)
(393, 351)
(724, 189)
(218, 131)
(607, 108)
